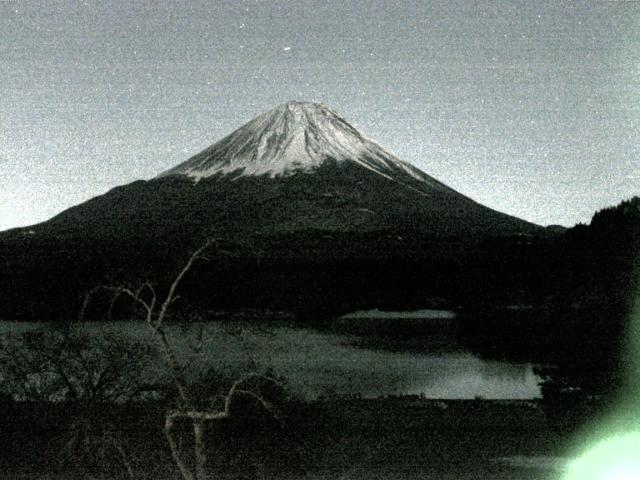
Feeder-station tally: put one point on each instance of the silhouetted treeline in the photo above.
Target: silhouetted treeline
(551, 296)
(577, 327)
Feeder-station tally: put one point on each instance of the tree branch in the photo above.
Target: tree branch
(175, 451)
(174, 285)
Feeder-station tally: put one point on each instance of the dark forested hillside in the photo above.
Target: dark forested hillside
(579, 327)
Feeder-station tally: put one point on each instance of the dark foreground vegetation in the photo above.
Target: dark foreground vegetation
(562, 301)
(404, 438)
(78, 405)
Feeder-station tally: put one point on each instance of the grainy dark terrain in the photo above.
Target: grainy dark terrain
(402, 438)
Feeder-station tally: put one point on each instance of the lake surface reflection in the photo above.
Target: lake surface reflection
(320, 363)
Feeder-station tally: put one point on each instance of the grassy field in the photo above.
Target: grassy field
(340, 438)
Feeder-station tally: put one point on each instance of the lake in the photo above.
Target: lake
(321, 362)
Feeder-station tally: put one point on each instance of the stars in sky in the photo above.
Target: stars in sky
(528, 108)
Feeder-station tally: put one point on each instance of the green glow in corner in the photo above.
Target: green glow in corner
(617, 458)
(613, 450)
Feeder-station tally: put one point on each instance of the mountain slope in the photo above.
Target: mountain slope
(295, 194)
(296, 167)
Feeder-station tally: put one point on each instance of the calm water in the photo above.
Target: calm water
(317, 363)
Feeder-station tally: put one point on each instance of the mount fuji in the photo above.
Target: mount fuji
(292, 138)
(306, 204)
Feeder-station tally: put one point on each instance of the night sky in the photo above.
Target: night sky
(531, 108)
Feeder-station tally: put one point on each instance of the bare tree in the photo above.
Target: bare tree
(155, 312)
(83, 368)
(70, 364)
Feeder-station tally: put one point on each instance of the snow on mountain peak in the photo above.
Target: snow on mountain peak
(293, 137)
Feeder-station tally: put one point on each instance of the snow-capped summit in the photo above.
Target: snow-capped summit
(309, 208)
(293, 137)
